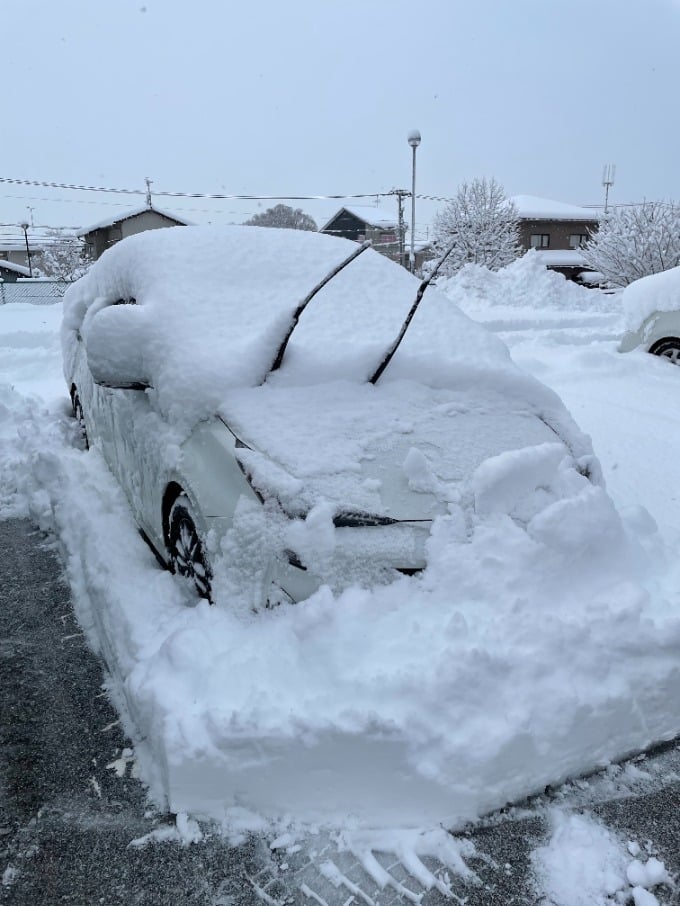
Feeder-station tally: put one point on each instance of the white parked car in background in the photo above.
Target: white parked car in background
(241, 386)
(652, 312)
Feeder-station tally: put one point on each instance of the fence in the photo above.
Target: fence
(34, 292)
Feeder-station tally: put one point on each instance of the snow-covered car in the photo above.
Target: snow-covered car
(276, 427)
(652, 312)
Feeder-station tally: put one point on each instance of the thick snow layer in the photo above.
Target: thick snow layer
(375, 433)
(529, 649)
(214, 304)
(530, 207)
(658, 292)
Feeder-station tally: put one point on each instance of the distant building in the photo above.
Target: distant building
(106, 233)
(10, 272)
(557, 231)
(14, 252)
(381, 228)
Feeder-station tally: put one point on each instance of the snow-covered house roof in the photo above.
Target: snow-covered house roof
(15, 268)
(135, 212)
(531, 207)
(371, 216)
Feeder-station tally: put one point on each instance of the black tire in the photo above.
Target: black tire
(668, 348)
(80, 418)
(186, 548)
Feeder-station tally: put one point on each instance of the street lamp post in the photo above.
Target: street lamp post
(24, 227)
(414, 141)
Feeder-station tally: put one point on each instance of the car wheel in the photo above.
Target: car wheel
(186, 548)
(80, 418)
(668, 349)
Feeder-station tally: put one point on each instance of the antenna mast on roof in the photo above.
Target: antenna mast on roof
(608, 175)
(148, 192)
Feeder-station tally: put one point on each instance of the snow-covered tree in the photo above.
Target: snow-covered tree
(482, 225)
(282, 215)
(635, 242)
(63, 256)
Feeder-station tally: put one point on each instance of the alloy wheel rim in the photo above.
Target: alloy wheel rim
(672, 354)
(188, 556)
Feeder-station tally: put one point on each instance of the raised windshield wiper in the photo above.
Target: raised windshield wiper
(357, 519)
(409, 317)
(278, 358)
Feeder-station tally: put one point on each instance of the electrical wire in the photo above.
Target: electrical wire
(166, 194)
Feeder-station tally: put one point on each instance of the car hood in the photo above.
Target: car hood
(399, 450)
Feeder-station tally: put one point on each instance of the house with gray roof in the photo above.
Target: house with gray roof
(106, 233)
(377, 225)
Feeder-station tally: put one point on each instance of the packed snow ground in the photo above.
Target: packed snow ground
(539, 666)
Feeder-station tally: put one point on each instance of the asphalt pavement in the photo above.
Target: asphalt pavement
(67, 816)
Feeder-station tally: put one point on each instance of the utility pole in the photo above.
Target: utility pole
(413, 140)
(608, 175)
(401, 195)
(148, 192)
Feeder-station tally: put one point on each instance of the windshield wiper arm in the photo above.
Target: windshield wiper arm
(409, 317)
(276, 364)
(358, 519)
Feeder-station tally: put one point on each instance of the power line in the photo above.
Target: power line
(165, 194)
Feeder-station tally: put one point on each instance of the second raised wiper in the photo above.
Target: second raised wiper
(407, 320)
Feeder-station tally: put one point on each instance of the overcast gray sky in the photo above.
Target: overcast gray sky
(316, 97)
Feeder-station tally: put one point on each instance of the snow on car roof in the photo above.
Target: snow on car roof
(218, 301)
(657, 292)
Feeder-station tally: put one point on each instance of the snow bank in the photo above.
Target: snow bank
(658, 292)
(525, 284)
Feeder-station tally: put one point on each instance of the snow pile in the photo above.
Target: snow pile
(585, 864)
(658, 292)
(525, 284)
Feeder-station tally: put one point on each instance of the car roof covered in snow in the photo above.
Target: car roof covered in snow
(218, 301)
(657, 292)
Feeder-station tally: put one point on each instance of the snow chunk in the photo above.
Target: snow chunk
(500, 482)
(583, 864)
(586, 864)
(647, 874)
